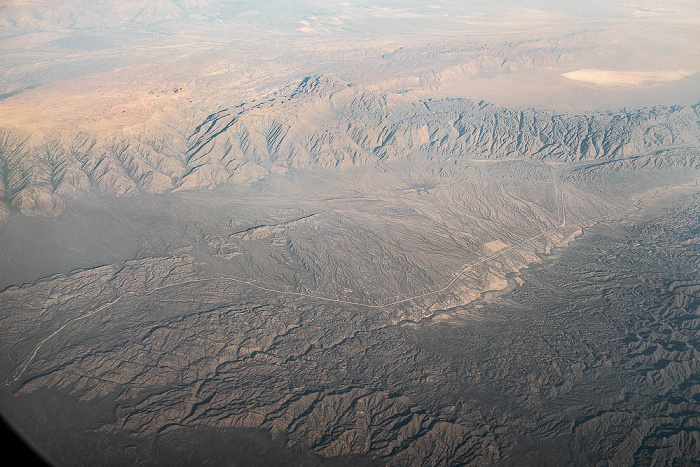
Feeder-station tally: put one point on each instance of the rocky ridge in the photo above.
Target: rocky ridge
(325, 124)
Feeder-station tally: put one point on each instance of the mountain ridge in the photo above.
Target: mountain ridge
(324, 123)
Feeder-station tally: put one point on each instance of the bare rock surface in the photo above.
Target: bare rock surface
(343, 332)
(324, 123)
(318, 233)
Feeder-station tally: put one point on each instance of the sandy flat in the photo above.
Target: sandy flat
(626, 78)
(495, 245)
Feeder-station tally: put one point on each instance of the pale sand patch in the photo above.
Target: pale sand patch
(626, 78)
(495, 245)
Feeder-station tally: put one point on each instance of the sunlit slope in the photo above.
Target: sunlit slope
(324, 124)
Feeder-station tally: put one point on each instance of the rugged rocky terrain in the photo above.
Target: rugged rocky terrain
(309, 233)
(323, 123)
(341, 304)
(596, 343)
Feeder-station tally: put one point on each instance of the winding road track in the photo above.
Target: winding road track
(617, 216)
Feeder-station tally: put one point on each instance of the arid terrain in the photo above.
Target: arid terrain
(320, 233)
